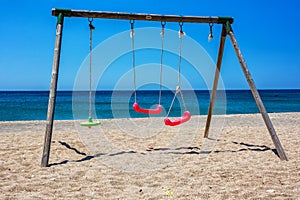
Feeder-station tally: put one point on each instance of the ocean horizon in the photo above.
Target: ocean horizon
(70, 105)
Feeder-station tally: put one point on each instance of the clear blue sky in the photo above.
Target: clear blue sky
(267, 31)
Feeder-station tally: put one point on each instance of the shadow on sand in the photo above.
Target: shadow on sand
(178, 151)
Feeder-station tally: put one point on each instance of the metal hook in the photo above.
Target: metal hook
(131, 23)
(91, 25)
(180, 31)
(180, 24)
(163, 24)
(210, 36)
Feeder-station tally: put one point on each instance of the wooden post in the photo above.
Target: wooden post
(216, 79)
(256, 95)
(53, 89)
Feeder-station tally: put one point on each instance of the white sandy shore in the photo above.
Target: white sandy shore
(142, 159)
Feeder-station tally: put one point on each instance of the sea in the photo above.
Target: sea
(70, 105)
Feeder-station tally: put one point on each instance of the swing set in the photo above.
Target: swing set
(226, 30)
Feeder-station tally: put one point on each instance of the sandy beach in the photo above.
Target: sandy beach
(142, 159)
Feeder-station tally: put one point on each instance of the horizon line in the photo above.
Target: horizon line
(109, 90)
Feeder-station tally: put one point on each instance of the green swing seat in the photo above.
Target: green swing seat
(90, 123)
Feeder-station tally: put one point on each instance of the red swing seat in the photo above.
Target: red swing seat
(154, 111)
(185, 117)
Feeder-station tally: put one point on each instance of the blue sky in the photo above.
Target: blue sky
(267, 33)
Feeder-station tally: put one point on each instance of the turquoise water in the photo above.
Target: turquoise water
(32, 105)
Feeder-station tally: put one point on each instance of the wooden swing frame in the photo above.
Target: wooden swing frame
(226, 30)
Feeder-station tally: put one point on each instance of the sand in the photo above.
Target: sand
(142, 159)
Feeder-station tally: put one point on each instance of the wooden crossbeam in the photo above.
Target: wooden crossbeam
(140, 16)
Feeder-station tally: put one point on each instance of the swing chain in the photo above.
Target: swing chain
(91, 50)
(163, 24)
(178, 88)
(133, 56)
(181, 33)
(172, 103)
